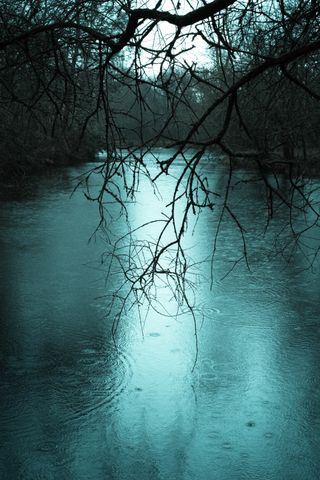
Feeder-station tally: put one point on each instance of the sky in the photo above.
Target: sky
(193, 49)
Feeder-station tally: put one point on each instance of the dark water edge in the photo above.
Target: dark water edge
(18, 179)
(75, 405)
(16, 184)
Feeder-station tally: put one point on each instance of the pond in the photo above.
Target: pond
(78, 404)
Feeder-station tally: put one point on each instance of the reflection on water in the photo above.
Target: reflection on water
(76, 405)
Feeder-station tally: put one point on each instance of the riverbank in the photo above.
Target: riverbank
(305, 164)
(14, 177)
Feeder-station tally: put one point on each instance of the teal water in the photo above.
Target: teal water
(76, 405)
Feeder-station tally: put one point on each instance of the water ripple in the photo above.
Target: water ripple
(66, 386)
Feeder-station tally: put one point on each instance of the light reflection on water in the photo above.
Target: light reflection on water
(75, 405)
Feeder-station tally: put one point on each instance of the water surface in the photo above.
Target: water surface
(75, 404)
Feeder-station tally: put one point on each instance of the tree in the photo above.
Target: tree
(146, 92)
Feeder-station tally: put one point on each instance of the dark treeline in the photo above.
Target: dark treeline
(67, 90)
(48, 87)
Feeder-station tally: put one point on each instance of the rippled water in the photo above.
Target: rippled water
(75, 404)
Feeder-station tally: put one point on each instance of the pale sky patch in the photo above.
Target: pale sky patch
(188, 48)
